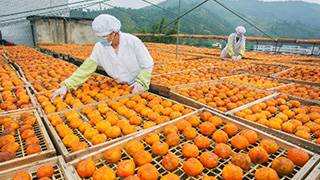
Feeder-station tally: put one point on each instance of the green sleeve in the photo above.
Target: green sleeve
(143, 78)
(241, 50)
(81, 75)
(230, 49)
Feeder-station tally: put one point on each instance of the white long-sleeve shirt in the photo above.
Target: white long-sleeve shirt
(124, 63)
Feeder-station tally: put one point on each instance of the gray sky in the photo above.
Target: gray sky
(140, 4)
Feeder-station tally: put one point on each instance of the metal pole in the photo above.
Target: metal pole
(311, 51)
(178, 31)
(50, 6)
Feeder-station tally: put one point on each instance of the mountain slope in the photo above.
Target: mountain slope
(278, 19)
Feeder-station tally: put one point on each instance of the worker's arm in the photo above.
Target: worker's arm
(242, 47)
(146, 64)
(230, 46)
(81, 75)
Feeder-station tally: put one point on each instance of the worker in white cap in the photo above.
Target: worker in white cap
(123, 56)
(236, 44)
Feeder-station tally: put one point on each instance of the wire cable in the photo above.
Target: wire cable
(184, 18)
(49, 8)
(184, 14)
(142, 17)
(243, 18)
(65, 10)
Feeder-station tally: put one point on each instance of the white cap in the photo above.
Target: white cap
(240, 30)
(105, 24)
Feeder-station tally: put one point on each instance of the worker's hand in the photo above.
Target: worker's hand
(234, 57)
(239, 57)
(137, 88)
(62, 91)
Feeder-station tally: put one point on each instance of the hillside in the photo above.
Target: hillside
(278, 19)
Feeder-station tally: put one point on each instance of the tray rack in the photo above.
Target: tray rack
(188, 101)
(279, 133)
(58, 164)
(68, 154)
(47, 148)
(32, 100)
(297, 174)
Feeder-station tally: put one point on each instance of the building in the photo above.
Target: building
(287, 49)
(15, 27)
(55, 29)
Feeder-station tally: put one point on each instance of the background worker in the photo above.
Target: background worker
(123, 56)
(236, 44)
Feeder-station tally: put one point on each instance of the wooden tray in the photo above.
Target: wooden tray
(32, 100)
(279, 133)
(298, 173)
(67, 153)
(190, 102)
(315, 173)
(47, 148)
(57, 163)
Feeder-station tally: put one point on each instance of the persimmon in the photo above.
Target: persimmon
(239, 142)
(78, 146)
(159, 148)
(209, 159)
(222, 150)
(104, 173)
(231, 129)
(232, 172)
(170, 162)
(298, 156)
(303, 134)
(112, 155)
(125, 168)
(250, 135)
(215, 120)
(142, 157)
(205, 116)
(129, 129)
(258, 155)
(133, 147)
(148, 172)
(173, 139)
(194, 120)
(207, 128)
(98, 138)
(202, 142)
(192, 167)
(242, 160)
(266, 173)
(168, 129)
(190, 133)
(282, 165)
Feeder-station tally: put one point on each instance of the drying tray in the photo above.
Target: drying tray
(279, 133)
(67, 153)
(32, 100)
(298, 173)
(190, 102)
(57, 163)
(47, 148)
